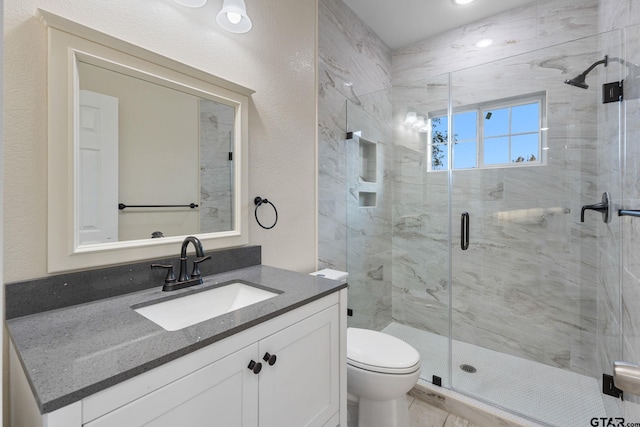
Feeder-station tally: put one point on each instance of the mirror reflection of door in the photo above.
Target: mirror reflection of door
(98, 166)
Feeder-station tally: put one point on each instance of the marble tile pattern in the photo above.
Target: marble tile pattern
(354, 95)
(216, 170)
(527, 285)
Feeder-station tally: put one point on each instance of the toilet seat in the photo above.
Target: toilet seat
(379, 352)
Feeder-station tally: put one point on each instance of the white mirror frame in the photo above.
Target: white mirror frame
(69, 41)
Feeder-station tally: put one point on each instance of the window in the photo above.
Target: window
(500, 133)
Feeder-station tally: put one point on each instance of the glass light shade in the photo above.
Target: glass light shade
(191, 3)
(233, 17)
(410, 118)
(462, 2)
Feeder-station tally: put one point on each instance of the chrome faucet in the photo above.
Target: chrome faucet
(184, 279)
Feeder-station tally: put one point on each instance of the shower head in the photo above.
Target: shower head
(579, 80)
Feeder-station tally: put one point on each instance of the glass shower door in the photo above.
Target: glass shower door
(421, 229)
(368, 207)
(528, 322)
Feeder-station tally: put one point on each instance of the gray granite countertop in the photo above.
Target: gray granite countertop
(71, 353)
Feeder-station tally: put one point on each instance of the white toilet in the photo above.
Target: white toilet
(381, 369)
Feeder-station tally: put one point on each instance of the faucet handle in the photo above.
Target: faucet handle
(171, 278)
(196, 271)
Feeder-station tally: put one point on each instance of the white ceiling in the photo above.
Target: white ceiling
(402, 22)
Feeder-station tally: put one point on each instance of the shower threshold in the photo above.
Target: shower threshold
(549, 395)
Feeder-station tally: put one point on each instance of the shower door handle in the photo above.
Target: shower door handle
(464, 231)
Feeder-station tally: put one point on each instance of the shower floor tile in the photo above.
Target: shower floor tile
(544, 393)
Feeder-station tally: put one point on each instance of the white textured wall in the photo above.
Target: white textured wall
(277, 59)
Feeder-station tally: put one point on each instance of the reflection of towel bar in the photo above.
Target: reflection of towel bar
(625, 212)
(123, 206)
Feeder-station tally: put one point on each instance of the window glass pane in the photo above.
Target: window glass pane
(525, 118)
(524, 148)
(464, 155)
(496, 122)
(439, 126)
(496, 151)
(439, 157)
(464, 125)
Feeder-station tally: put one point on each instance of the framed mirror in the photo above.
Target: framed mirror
(143, 151)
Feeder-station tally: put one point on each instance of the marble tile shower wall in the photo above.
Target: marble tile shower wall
(354, 71)
(527, 286)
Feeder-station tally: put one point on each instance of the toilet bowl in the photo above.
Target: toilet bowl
(381, 369)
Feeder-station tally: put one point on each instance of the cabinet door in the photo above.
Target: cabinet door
(224, 393)
(302, 387)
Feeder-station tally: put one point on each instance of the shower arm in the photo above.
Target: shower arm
(604, 61)
(630, 65)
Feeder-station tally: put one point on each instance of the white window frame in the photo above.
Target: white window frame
(481, 109)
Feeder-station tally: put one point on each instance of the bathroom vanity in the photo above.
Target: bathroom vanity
(277, 362)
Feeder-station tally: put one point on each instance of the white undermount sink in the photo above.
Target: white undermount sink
(178, 313)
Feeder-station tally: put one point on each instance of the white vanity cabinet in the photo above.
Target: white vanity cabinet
(304, 385)
(299, 389)
(223, 393)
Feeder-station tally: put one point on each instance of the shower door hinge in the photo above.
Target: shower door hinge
(612, 92)
(436, 380)
(609, 388)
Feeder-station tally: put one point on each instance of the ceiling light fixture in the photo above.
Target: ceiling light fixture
(484, 43)
(233, 16)
(191, 3)
(462, 2)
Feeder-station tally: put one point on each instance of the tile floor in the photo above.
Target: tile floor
(421, 414)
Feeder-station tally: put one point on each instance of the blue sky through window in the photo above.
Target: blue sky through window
(508, 135)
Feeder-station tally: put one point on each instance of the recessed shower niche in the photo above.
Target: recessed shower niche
(367, 169)
(368, 160)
